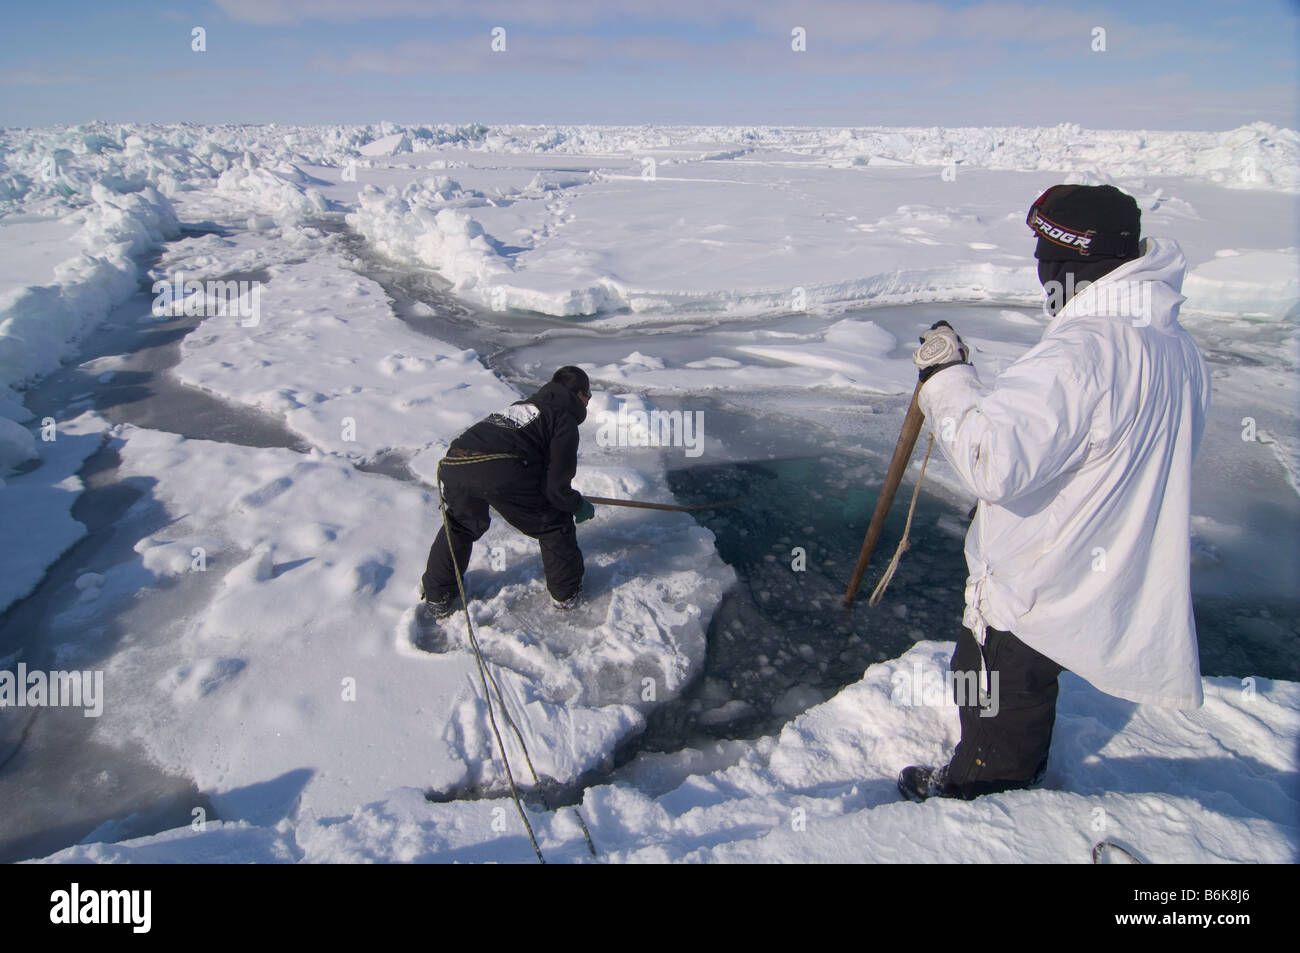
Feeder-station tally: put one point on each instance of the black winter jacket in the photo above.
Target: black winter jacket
(542, 430)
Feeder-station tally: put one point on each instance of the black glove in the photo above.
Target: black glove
(585, 511)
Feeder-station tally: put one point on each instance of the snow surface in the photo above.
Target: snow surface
(317, 563)
(328, 350)
(824, 790)
(726, 261)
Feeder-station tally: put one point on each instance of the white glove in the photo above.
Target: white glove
(940, 348)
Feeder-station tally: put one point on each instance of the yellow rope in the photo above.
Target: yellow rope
(907, 528)
(481, 458)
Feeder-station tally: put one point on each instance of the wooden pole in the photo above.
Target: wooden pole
(893, 477)
(606, 501)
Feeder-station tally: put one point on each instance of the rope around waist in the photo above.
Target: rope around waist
(476, 458)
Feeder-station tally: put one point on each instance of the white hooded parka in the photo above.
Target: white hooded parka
(1081, 456)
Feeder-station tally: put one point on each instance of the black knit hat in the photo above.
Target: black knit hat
(1085, 222)
(574, 378)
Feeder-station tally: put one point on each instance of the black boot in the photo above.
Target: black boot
(572, 602)
(428, 634)
(917, 783)
(435, 610)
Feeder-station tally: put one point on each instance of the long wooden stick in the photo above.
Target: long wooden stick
(606, 501)
(893, 477)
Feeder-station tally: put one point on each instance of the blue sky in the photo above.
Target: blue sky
(1189, 65)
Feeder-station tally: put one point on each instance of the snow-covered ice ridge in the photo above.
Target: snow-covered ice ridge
(1256, 156)
(728, 220)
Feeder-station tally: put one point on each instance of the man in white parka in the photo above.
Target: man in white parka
(1080, 454)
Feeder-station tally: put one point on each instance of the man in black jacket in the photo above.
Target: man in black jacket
(520, 463)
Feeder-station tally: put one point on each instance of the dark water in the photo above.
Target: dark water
(782, 639)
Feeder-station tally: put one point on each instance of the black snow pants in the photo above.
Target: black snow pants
(516, 492)
(1008, 749)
